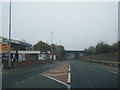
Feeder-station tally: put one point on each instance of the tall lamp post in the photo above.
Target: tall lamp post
(9, 51)
(117, 44)
(51, 47)
(116, 36)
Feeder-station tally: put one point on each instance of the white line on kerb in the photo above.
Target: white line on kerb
(57, 80)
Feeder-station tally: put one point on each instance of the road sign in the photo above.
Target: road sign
(4, 46)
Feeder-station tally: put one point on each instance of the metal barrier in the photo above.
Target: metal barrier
(108, 63)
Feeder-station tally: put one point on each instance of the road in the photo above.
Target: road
(30, 78)
(83, 75)
(86, 75)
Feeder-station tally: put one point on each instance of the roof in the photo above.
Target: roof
(25, 44)
(16, 42)
(29, 52)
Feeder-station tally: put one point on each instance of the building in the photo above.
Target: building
(17, 44)
(33, 55)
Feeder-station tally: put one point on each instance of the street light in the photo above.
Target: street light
(9, 51)
(116, 35)
(51, 47)
(117, 42)
(51, 37)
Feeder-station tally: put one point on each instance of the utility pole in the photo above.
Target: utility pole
(9, 51)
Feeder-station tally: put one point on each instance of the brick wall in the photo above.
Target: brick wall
(19, 64)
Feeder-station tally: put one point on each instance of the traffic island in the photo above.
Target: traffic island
(59, 73)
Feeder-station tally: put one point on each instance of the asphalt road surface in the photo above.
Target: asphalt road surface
(30, 78)
(83, 75)
(86, 75)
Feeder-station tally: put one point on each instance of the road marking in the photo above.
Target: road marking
(57, 70)
(69, 76)
(56, 74)
(57, 80)
(19, 82)
(69, 69)
(31, 78)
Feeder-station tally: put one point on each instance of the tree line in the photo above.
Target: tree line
(55, 49)
(101, 47)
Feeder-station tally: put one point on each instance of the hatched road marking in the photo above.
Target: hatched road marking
(60, 73)
(56, 74)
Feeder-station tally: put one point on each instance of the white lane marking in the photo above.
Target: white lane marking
(69, 76)
(69, 69)
(57, 80)
(19, 82)
(56, 74)
(31, 78)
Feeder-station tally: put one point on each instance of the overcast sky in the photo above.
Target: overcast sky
(74, 25)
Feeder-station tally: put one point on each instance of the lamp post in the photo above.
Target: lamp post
(51, 47)
(9, 51)
(117, 45)
(116, 35)
(60, 49)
